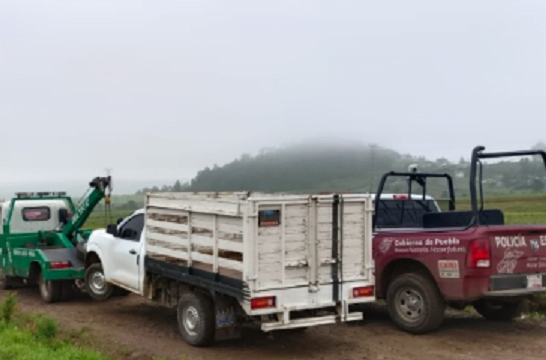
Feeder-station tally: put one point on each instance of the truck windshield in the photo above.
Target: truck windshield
(393, 213)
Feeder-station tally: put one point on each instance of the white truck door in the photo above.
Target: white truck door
(126, 252)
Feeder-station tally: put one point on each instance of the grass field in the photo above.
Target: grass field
(98, 219)
(517, 209)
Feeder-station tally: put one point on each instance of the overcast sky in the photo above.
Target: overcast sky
(160, 89)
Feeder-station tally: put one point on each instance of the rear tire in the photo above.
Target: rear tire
(95, 283)
(415, 304)
(50, 290)
(196, 315)
(499, 310)
(7, 283)
(69, 291)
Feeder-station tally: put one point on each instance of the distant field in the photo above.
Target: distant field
(98, 219)
(517, 210)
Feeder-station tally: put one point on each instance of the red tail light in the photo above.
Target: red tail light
(263, 303)
(400, 197)
(55, 265)
(363, 291)
(479, 255)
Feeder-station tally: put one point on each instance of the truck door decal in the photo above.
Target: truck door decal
(385, 245)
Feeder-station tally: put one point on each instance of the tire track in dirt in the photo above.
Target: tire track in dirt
(140, 326)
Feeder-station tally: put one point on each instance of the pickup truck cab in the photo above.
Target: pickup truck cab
(455, 258)
(114, 263)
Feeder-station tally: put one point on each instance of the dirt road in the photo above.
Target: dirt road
(143, 329)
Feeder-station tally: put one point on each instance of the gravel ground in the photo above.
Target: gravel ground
(143, 330)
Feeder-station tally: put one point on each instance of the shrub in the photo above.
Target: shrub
(8, 307)
(46, 328)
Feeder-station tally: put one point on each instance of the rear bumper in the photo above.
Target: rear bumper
(306, 307)
(64, 274)
(513, 285)
(308, 322)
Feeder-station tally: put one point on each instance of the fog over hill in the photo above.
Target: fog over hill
(315, 165)
(333, 165)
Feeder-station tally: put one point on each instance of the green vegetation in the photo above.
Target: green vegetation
(327, 166)
(36, 337)
(529, 209)
(98, 219)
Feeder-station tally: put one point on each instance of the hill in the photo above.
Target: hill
(349, 166)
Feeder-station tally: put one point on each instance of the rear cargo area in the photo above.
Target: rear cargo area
(303, 251)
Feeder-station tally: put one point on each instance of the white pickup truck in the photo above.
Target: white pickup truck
(226, 259)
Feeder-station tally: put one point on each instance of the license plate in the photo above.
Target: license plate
(534, 281)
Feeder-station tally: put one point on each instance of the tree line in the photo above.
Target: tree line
(312, 167)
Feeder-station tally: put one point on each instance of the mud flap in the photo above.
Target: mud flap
(227, 323)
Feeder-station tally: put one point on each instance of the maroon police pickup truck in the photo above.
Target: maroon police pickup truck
(426, 259)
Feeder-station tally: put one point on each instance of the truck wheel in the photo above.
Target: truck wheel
(415, 304)
(499, 310)
(195, 315)
(6, 282)
(95, 283)
(50, 291)
(68, 290)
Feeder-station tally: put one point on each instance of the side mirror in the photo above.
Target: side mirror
(119, 220)
(112, 230)
(63, 216)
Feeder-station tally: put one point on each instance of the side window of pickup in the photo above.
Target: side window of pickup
(132, 229)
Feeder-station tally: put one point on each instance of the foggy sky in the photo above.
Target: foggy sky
(160, 89)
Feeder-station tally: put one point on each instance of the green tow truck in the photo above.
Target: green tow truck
(41, 237)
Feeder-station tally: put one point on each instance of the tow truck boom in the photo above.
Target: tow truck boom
(85, 207)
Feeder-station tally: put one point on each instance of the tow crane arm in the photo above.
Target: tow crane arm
(101, 188)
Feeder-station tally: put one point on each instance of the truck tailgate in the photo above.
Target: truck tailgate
(316, 249)
(518, 249)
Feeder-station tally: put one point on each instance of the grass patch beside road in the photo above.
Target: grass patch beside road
(25, 336)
